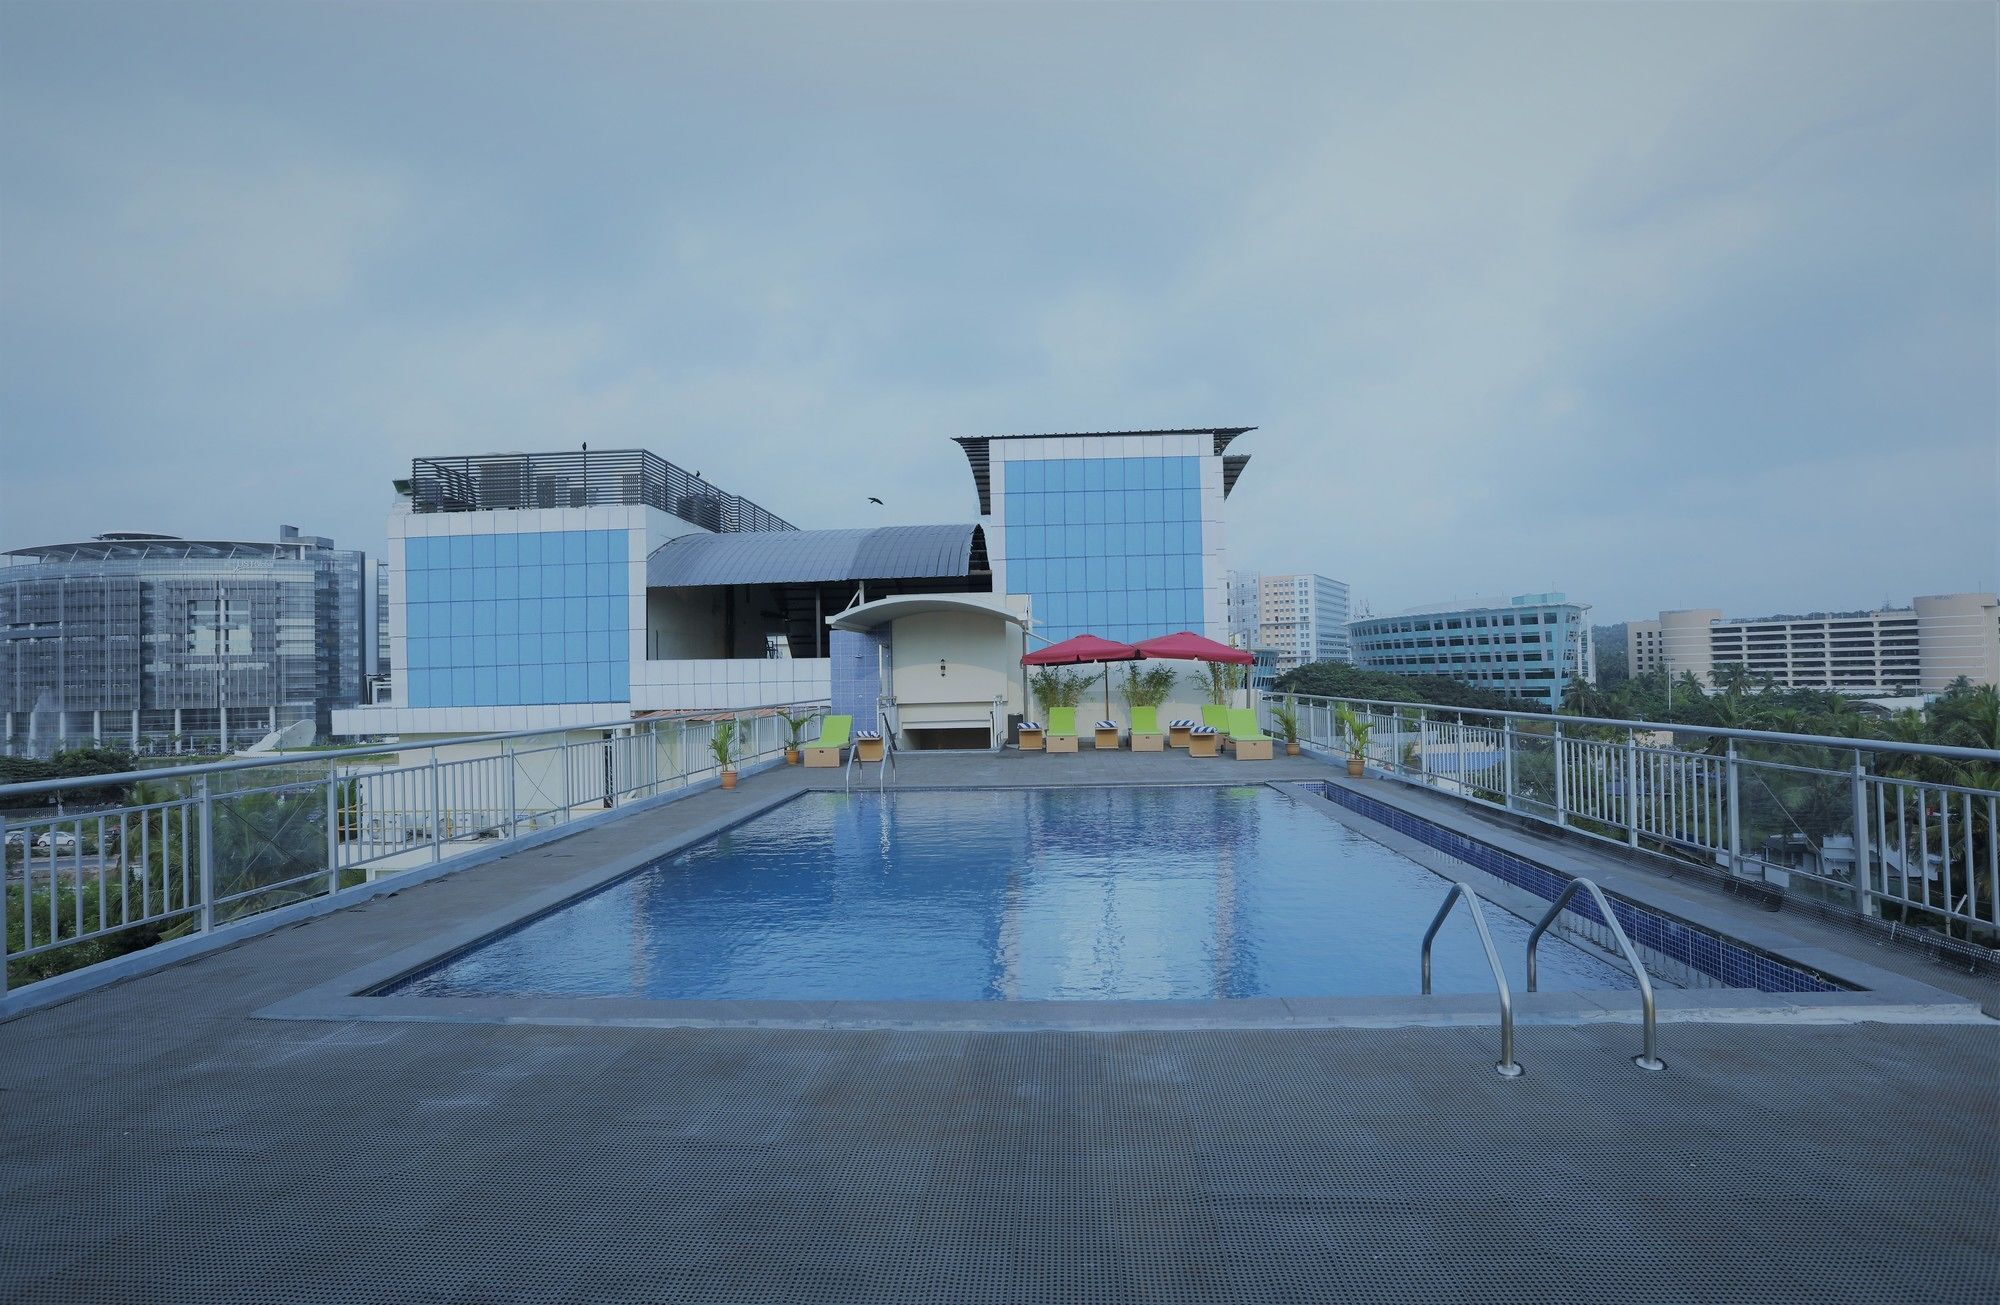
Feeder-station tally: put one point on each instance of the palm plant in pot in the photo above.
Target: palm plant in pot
(796, 726)
(722, 746)
(1286, 717)
(1357, 731)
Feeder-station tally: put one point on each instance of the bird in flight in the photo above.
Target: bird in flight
(876, 501)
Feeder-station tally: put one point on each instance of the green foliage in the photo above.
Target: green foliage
(1148, 686)
(722, 743)
(1356, 729)
(70, 764)
(1286, 715)
(795, 727)
(1059, 686)
(1224, 678)
(1339, 680)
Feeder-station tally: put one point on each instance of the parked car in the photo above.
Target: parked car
(56, 840)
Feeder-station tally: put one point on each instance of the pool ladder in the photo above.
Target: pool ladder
(888, 758)
(1507, 1066)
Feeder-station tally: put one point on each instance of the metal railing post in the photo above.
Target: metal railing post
(1733, 794)
(1395, 742)
(1507, 761)
(332, 830)
(24, 892)
(437, 811)
(1423, 744)
(206, 856)
(569, 795)
(513, 787)
(1631, 789)
(1562, 780)
(1859, 796)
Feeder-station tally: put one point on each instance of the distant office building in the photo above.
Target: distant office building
(1532, 646)
(164, 644)
(1917, 649)
(1239, 603)
(1118, 534)
(1303, 618)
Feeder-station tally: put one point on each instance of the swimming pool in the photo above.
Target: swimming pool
(1015, 895)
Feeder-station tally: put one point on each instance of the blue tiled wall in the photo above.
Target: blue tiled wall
(1729, 963)
(517, 619)
(1105, 546)
(856, 674)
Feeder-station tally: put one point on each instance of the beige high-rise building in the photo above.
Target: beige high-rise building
(1921, 648)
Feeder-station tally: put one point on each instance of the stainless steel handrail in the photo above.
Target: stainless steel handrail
(1459, 888)
(1951, 752)
(1647, 1059)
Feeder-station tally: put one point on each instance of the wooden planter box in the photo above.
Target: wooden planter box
(1204, 745)
(867, 750)
(1177, 736)
(1031, 740)
(1106, 739)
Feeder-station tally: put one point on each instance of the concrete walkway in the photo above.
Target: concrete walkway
(159, 1143)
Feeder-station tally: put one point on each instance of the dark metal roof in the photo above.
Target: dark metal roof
(816, 556)
(977, 455)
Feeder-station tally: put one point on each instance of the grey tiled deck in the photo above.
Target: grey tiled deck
(157, 1142)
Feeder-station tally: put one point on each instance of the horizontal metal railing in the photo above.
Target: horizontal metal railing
(147, 856)
(1881, 827)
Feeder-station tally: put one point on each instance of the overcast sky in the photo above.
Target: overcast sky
(1661, 306)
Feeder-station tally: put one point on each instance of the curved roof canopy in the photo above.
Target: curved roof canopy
(817, 556)
(866, 616)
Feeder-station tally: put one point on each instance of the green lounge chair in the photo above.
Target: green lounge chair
(1217, 719)
(1062, 729)
(825, 750)
(1247, 741)
(1146, 735)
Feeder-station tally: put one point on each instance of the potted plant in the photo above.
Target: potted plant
(722, 745)
(1286, 715)
(1357, 731)
(797, 726)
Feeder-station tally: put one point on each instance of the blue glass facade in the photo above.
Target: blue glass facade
(1105, 546)
(516, 619)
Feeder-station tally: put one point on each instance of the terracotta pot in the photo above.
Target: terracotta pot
(729, 779)
(1291, 749)
(791, 756)
(1355, 767)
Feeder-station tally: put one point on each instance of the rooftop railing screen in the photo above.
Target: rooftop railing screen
(615, 477)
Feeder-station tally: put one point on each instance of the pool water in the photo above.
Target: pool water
(1017, 895)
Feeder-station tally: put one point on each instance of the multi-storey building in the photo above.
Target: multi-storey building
(1532, 646)
(1917, 649)
(1303, 618)
(166, 644)
(1239, 604)
(1117, 534)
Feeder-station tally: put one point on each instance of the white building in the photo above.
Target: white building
(1921, 648)
(536, 591)
(1530, 646)
(1303, 619)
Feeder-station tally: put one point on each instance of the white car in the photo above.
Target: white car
(56, 840)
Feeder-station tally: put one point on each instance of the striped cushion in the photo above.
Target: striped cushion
(1202, 729)
(1107, 725)
(1183, 724)
(867, 734)
(1031, 724)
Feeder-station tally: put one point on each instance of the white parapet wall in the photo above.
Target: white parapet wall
(719, 683)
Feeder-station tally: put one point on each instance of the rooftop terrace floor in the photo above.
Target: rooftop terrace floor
(160, 1142)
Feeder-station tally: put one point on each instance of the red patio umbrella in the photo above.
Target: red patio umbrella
(1188, 646)
(1084, 648)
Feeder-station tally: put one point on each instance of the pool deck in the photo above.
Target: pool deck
(161, 1141)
